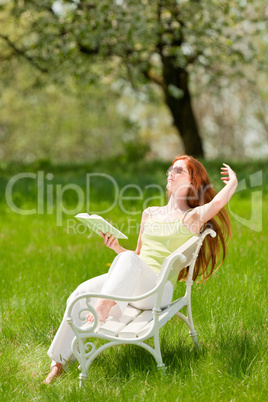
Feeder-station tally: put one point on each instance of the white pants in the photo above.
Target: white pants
(129, 276)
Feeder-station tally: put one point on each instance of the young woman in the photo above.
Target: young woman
(192, 204)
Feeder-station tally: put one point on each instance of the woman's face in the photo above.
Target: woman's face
(178, 178)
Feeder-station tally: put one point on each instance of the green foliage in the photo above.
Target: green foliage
(210, 33)
(84, 43)
(135, 150)
(57, 124)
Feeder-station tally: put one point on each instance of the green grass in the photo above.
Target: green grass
(41, 264)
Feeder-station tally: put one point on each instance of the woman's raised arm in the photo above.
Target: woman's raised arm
(202, 214)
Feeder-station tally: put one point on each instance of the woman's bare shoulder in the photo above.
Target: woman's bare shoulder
(153, 210)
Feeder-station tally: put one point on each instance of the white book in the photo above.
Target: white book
(96, 223)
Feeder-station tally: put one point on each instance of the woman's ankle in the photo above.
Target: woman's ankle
(56, 371)
(59, 366)
(106, 302)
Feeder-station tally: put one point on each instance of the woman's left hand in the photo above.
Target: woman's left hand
(229, 174)
(109, 241)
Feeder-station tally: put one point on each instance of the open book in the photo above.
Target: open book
(96, 223)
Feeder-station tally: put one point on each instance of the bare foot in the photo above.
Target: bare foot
(103, 307)
(56, 371)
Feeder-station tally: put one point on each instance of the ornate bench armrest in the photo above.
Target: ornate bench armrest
(158, 289)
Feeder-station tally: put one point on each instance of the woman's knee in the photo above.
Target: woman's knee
(129, 257)
(129, 261)
(127, 254)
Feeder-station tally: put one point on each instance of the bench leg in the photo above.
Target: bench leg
(158, 355)
(82, 379)
(193, 335)
(189, 321)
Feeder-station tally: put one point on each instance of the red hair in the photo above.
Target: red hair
(213, 250)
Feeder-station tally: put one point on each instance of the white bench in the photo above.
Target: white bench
(136, 326)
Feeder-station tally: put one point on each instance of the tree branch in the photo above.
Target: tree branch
(148, 74)
(86, 50)
(193, 58)
(23, 53)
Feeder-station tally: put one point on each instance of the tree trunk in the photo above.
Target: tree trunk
(181, 107)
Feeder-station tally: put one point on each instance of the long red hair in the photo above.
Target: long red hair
(213, 250)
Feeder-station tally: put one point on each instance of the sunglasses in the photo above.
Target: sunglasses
(176, 170)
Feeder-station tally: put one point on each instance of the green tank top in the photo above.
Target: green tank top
(159, 240)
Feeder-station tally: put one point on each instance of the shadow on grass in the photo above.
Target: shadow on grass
(124, 361)
(236, 354)
(181, 357)
(239, 352)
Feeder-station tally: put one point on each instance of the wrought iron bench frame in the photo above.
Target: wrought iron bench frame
(136, 326)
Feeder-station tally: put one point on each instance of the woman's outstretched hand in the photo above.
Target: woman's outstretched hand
(109, 241)
(229, 174)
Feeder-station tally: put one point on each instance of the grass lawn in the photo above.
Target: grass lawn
(42, 263)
